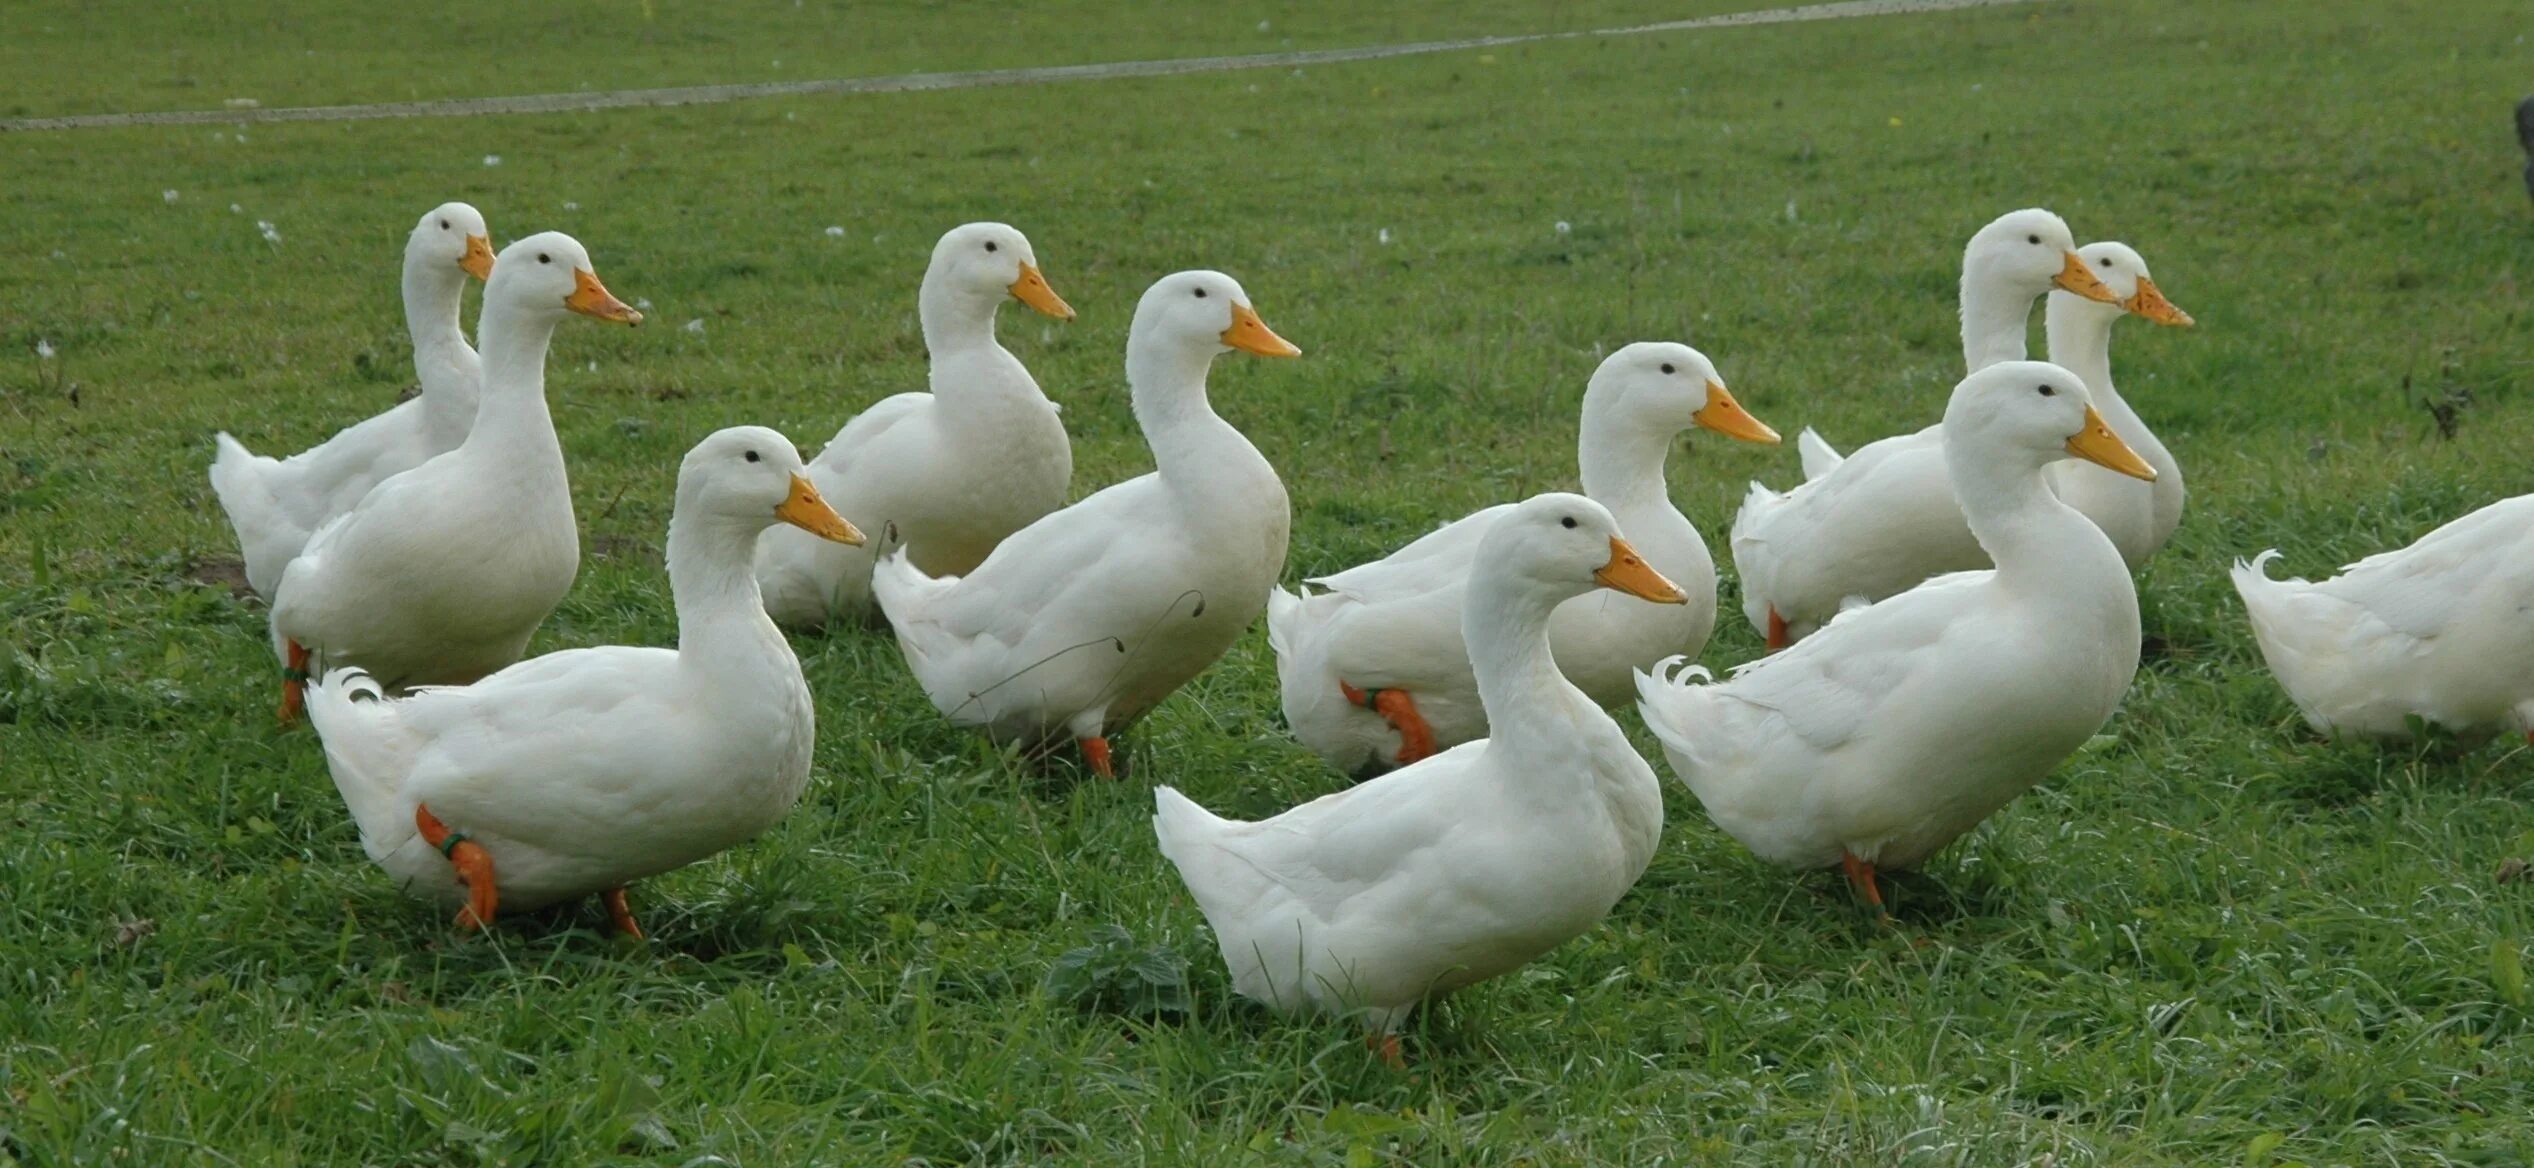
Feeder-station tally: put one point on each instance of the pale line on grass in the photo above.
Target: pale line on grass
(916, 82)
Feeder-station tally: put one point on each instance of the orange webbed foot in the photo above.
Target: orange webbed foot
(1861, 875)
(1399, 708)
(1386, 1048)
(621, 913)
(473, 863)
(294, 681)
(1096, 752)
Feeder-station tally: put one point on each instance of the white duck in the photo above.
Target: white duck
(275, 504)
(1080, 622)
(440, 574)
(1468, 864)
(582, 771)
(1374, 669)
(1884, 518)
(954, 470)
(1903, 724)
(2436, 630)
(2139, 517)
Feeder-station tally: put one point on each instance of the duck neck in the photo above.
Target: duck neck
(722, 624)
(2081, 342)
(2037, 541)
(1506, 626)
(434, 291)
(511, 420)
(1193, 446)
(956, 320)
(1621, 462)
(1994, 318)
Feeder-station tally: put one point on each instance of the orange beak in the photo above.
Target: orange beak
(1251, 335)
(591, 298)
(1628, 572)
(2098, 445)
(1031, 289)
(2075, 277)
(478, 260)
(805, 510)
(1726, 416)
(2149, 302)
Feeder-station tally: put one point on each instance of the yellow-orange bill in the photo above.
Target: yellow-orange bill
(805, 510)
(1628, 572)
(1032, 289)
(478, 260)
(591, 298)
(2075, 277)
(1251, 335)
(2098, 445)
(2149, 302)
(1726, 416)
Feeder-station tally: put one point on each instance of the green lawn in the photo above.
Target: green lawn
(2213, 940)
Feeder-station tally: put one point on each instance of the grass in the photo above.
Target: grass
(2212, 940)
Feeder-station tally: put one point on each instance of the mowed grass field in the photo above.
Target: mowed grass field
(2210, 939)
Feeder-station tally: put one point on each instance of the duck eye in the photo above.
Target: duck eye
(2032, 239)
(752, 456)
(989, 245)
(1569, 521)
(2046, 391)
(444, 225)
(2106, 261)
(1200, 293)
(1667, 367)
(544, 258)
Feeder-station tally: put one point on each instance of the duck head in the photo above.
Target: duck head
(1557, 546)
(751, 477)
(452, 235)
(2030, 251)
(548, 275)
(1666, 388)
(2028, 414)
(989, 261)
(2124, 273)
(1205, 312)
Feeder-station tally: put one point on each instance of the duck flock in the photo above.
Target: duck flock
(1950, 614)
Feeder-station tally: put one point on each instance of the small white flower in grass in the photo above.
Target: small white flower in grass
(492, 160)
(1262, 26)
(593, 366)
(1563, 227)
(169, 194)
(1385, 235)
(696, 326)
(643, 304)
(44, 349)
(835, 233)
(1790, 210)
(569, 205)
(239, 137)
(234, 209)
(270, 235)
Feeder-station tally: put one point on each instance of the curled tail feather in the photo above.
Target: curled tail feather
(368, 752)
(1819, 456)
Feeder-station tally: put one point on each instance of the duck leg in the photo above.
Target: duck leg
(1385, 1046)
(1399, 708)
(1861, 874)
(294, 682)
(1095, 750)
(619, 912)
(474, 865)
(1777, 630)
